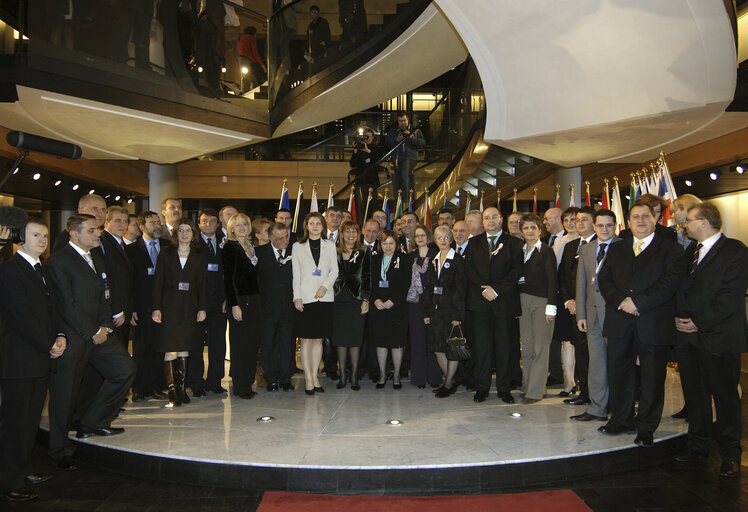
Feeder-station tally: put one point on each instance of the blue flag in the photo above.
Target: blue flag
(386, 209)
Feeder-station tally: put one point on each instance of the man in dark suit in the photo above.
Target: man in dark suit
(659, 205)
(90, 204)
(275, 277)
(284, 217)
(493, 266)
(638, 281)
(27, 348)
(567, 285)
(83, 298)
(142, 255)
(214, 325)
(711, 313)
(224, 215)
(171, 209)
(119, 270)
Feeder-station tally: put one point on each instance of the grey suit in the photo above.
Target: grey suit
(591, 307)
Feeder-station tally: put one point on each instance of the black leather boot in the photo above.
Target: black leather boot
(169, 372)
(179, 379)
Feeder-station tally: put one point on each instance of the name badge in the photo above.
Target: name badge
(316, 272)
(594, 280)
(521, 280)
(438, 290)
(212, 267)
(384, 284)
(107, 295)
(184, 287)
(151, 271)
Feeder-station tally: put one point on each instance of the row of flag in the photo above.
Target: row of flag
(657, 182)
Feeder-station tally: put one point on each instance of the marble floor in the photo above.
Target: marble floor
(349, 429)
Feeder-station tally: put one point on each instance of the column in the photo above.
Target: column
(162, 183)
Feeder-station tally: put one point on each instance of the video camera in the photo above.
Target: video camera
(14, 219)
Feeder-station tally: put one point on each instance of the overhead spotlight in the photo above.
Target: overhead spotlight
(245, 70)
(627, 196)
(16, 171)
(58, 183)
(116, 198)
(223, 70)
(75, 187)
(107, 196)
(714, 175)
(36, 176)
(129, 200)
(91, 191)
(600, 203)
(739, 169)
(200, 69)
(688, 183)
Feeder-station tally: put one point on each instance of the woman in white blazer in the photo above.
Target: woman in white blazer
(315, 268)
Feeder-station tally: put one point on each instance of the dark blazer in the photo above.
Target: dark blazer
(29, 322)
(540, 275)
(452, 281)
(354, 274)
(659, 229)
(651, 280)
(119, 274)
(143, 273)
(214, 283)
(398, 277)
(501, 271)
(275, 281)
(713, 296)
(567, 270)
(79, 293)
(239, 274)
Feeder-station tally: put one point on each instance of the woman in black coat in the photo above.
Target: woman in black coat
(179, 305)
(388, 319)
(352, 288)
(444, 292)
(243, 304)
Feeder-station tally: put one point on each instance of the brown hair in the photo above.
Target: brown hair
(709, 212)
(195, 232)
(531, 217)
(305, 236)
(345, 226)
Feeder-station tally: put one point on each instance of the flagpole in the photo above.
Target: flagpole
(467, 203)
(498, 199)
(535, 200)
(314, 207)
(588, 199)
(482, 194)
(298, 205)
(558, 196)
(410, 200)
(427, 210)
(606, 194)
(368, 201)
(514, 202)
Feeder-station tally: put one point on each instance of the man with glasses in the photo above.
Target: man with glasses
(90, 204)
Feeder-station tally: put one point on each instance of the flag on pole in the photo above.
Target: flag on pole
(535, 200)
(482, 193)
(655, 179)
(572, 202)
(643, 182)
(315, 205)
(399, 204)
(558, 196)
(617, 207)
(667, 190)
(587, 200)
(368, 202)
(297, 211)
(330, 200)
(514, 202)
(633, 191)
(352, 205)
(445, 201)
(410, 201)
(284, 203)
(467, 203)
(427, 214)
(386, 209)
(498, 199)
(606, 194)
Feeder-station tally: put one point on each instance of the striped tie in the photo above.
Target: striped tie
(638, 248)
(695, 261)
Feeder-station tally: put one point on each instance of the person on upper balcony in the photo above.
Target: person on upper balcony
(352, 22)
(364, 167)
(250, 58)
(406, 154)
(318, 40)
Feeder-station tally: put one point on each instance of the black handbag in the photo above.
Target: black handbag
(457, 349)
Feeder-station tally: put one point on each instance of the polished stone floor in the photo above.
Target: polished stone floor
(349, 429)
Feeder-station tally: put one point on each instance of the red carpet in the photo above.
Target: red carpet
(556, 501)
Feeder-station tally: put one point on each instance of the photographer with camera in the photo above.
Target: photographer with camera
(406, 154)
(366, 175)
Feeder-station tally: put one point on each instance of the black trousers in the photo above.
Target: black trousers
(214, 329)
(278, 347)
(713, 376)
(20, 410)
(491, 346)
(245, 343)
(150, 368)
(622, 353)
(581, 359)
(113, 363)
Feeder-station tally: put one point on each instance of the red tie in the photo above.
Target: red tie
(695, 261)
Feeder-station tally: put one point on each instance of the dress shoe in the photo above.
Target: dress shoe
(528, 401)
(19, 496)
(272, 386)
(564, 394)
(218, 390)
(397, 385)
(480, 396)
(442, 392)
(729, 468)
(37, 479)
(614, 428)
(288, 386)
(333, 375)
(690, 456)
(645, 439)
(197, 393)
(681, 415)
(577, 401)
(67, 464)
(355, 386)
(85, 432)
(309, 392)
(248, 395)
(319, 389)
(506, 397)
(585, 416)
(380, 385)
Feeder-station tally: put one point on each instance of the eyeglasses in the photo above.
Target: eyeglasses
(419, 235)
(443, 238)
(692, 220)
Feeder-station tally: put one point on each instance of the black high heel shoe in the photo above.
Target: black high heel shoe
(398, 385)
(319, 389)
(309, 391)
(354, 385)
(380, 385)
(340, 384)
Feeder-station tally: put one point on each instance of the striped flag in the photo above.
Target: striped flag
(330, 200)
(352, 205)
(572, 202)
(482, 193)
(284, 203)
(410, 201)
(427, 214)
(535, 200)
(315, 205)
(386, 210)
(399, 204)
(667, 190)
(606, 195)
(615, 205)
(587, 200)
(514, 202)
(633, 191)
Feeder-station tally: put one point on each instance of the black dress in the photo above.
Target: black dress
(423, 366)
(352, 287)
(445, 299)
(388, 328)
(179, 293)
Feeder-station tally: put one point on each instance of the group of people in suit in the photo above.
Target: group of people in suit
(376, 294)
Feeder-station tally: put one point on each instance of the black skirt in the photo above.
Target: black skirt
(315, 321)
(348, 322)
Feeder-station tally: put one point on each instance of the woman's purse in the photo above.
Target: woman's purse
(457, 349)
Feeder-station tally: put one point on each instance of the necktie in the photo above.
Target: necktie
(280, 254)
(210, 246)
(152, 251)
(38, 268)
(638, 248)
(89, 260)
(601, 252)
(580, 245)
(122, 244)
(552, 240)
(459, 251)
(695, 261)
(492, 243)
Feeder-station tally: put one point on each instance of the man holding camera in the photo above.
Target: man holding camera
(406, 154)
(365, 154)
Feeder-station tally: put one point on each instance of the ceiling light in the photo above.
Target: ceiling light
(36, 176)
(75, 187)
(689, 183)
(223, 70)
(739, 169)
(16, 171)
(116, 198)
(516, 415)
(714, 175)
(91, 191)
(58, 183)
(245, 70)
(129, 200)
(200, 69)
